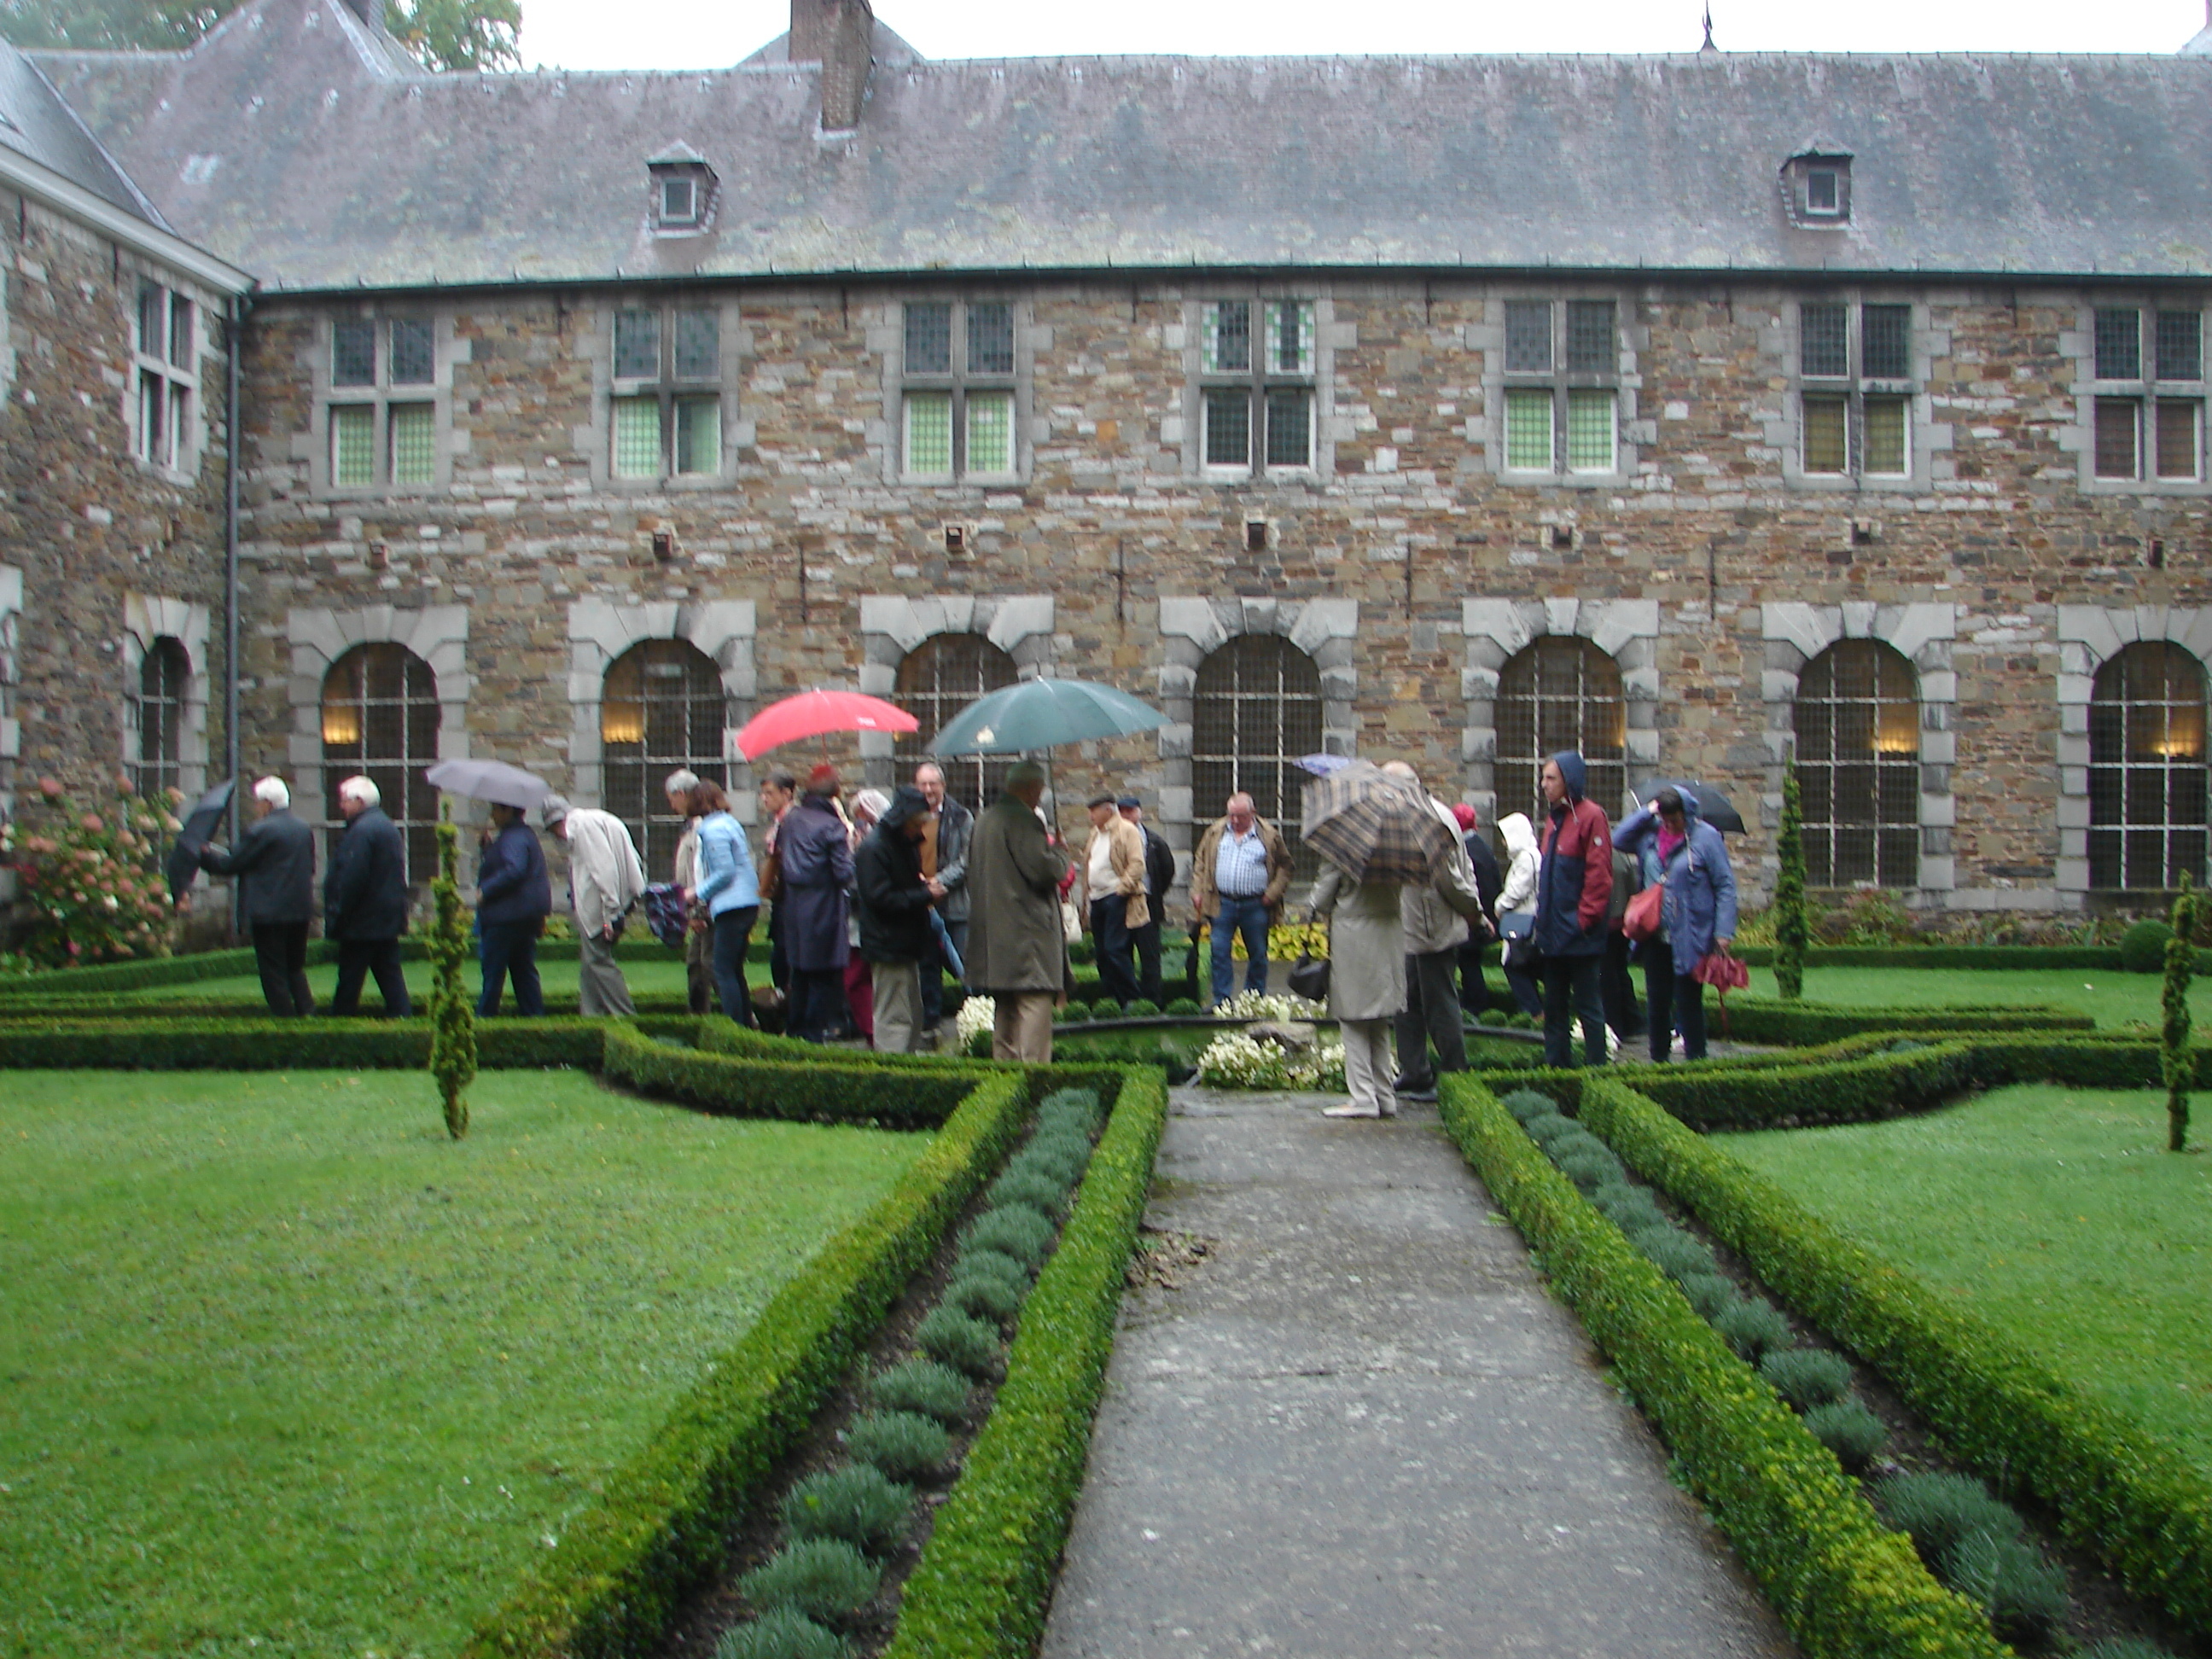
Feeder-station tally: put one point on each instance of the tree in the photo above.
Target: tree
(446, 36)
(2175, 1061)
(452, 1021)
(1790, 930)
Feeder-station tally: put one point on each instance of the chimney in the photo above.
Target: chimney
(840, 35)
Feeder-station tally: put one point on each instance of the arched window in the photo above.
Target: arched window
(1561, 692)
(1859, 766)
(380, 721)
(160, 713)
(936, 680)
(2146, 782)
(1256, 708)
(662, 707)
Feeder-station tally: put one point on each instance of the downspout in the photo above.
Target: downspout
(232, 748)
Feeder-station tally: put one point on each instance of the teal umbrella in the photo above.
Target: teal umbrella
(1043, 714)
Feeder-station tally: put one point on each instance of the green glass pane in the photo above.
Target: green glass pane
(1885, 435)
(1528, 430)
(990, 432)
(929, 433)
(1825, 448)
(1590, 431)
(414, 444)
(637, 437)
(698, 435)
(353, 444)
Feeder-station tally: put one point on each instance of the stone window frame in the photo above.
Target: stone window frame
(2088, 637)
(600, 631)
(1923, 437)
(892, 624)
(1795, 634)
(1487, 337)
(1498, 630)
(1187, 427)
(595, 442)
(897, 382)
(317, 638)
(447, 351)
(11, 730)
(184, 439)
(1486, 431)
(1191, 630)
(148, 618)
(2080, 345)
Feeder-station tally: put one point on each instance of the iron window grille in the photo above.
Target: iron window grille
(2148, 397)
(662, 707)
(1560, 692)
(383, 409)
(936, 680)
(957, 401)
(1854, 389)
(380, 720)
(1256, 708)
(1562, 387)
(2146, 771)
(667, 399)
(165, 359)
(1857, 724)
(158, 711)
(1256, 385)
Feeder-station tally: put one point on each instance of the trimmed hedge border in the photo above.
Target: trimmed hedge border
(984, 1581)
(2118, 1491)
(1998, 958)
(812, 1089)
(651, 1004)
(285, 1045)
(610, 1585)
(1802, 1024)
(1846, 1586)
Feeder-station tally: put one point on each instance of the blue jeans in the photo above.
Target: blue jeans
(1247, 916)
(733, 931)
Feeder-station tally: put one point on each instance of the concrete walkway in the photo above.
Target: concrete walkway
(1362, 1427)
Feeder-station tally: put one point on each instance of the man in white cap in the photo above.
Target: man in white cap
(605, 880)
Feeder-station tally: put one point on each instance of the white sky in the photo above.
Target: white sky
(614, 35)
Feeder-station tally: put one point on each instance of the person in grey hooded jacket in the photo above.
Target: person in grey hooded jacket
(1696, 916)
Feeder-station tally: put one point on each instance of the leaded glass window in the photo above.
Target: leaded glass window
(1256, 405)
(667, 403)
(1256, 708)
(1564, 420)
(1854, 365)
(163, 675)
(380, 720)
(661, 707)
(1857, 724)
(958, 413)
(1561, 692)
(2146, 771)
(936, 680)
(2147, 415)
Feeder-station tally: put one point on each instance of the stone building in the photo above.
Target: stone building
(1687, 410)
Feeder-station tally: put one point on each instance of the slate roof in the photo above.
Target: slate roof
(36, 123)
(285, 145)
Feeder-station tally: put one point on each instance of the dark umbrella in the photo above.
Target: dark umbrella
(1043, 714)
(1713, 807)
(199, 824)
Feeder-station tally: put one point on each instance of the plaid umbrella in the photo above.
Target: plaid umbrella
(1373, 827)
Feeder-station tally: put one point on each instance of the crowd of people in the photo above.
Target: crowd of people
(875, 906)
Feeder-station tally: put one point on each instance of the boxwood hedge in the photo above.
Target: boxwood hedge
(813, 1089)
(1843, 1583)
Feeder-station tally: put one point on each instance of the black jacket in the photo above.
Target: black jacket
(895, 904)
(1487, 881)
(275, 860)
(1159, 868)
(512, 884)
(365, 890)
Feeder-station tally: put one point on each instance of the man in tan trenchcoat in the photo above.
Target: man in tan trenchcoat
(1112, 880)
(1016, 951)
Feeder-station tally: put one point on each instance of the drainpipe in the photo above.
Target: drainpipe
(231, 749)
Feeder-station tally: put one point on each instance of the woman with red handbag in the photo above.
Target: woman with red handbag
(1686, 861)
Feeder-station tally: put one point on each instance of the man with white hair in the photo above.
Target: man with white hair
(698, 931)
(275, 860)
(365, 901)
(605, 880)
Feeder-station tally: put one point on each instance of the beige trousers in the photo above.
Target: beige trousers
(1368, 1066)
(1022, 1028)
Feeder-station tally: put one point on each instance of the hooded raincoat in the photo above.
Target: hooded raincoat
(1700, 903)
(1574, 884)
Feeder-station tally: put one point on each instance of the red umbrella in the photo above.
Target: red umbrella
(810, 714)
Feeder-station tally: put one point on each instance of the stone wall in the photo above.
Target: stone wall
(1412, 540)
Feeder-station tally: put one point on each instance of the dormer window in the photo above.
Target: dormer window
(1816, 186)
(683, 191)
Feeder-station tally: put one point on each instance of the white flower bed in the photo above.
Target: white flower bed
(1254, 1005)
(974, 1022)
(1234, 1060)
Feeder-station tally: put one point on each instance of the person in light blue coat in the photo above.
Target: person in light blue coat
(1696, 916)
(731, 891)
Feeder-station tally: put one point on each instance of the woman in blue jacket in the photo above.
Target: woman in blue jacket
(1696, 916)
(730, 890)
(513, 898)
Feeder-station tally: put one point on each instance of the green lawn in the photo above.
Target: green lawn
(2058, 1213)
(283, 1371)
(2111, 998)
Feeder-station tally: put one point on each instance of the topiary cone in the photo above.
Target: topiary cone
(452, 1021)
(2175, 1061)
(1789, 929)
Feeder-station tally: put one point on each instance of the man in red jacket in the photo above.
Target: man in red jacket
(1574, 890)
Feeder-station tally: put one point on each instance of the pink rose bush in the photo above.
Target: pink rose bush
(92, 882)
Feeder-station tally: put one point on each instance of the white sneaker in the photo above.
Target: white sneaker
(1349, 1109)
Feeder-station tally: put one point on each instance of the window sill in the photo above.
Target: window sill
(2145, 487)
(1534, 480)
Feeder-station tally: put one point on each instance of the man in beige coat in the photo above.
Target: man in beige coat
(1016, 953)
(1435, 917)
(1113, 896)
